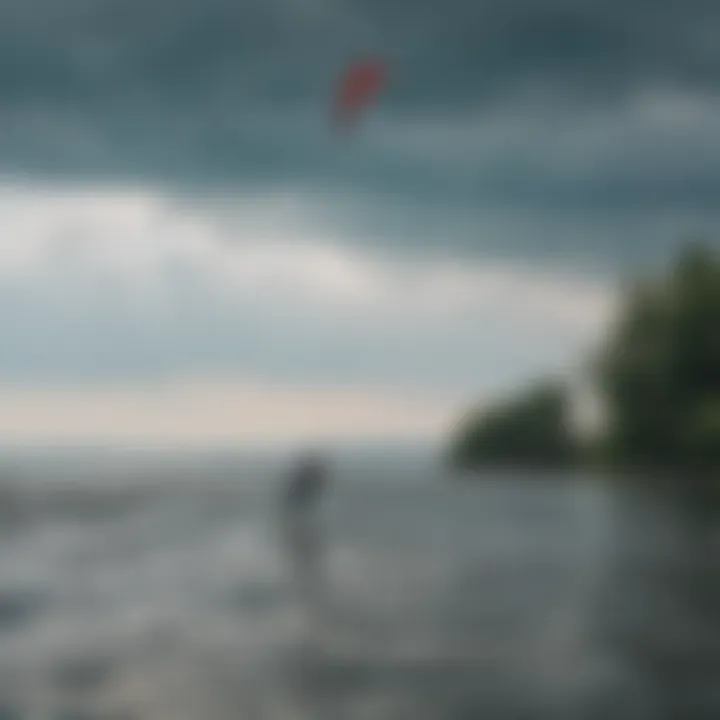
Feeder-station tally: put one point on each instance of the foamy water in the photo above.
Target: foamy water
(170, 599)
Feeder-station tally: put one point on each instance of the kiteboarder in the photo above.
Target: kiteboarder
(301, 528)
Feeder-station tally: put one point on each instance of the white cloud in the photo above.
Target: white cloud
(267, 251)
(135, 285)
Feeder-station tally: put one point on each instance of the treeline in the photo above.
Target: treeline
(657, 376)
(528, 429)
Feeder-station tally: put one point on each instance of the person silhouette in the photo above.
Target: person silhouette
(301, 530)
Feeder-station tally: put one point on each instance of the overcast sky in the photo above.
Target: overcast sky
(188, 254)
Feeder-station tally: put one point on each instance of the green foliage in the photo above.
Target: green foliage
(530, 429)
(660, 370)
(658, 375)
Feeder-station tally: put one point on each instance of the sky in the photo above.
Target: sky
(190, 256)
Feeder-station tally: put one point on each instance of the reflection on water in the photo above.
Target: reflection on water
(664, 621)
(509, 598)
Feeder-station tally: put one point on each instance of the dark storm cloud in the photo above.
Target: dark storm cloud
(235, 92)
(454, 53)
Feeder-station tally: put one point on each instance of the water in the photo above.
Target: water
(162, 592)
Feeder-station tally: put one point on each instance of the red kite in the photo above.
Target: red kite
(359, 86)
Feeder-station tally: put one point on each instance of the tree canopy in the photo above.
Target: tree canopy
(529, 429)
(659, 371)
(657, 375)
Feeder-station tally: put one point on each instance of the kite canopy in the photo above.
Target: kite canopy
(359, 87)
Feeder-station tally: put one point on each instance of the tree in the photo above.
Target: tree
(660, 371)
(529, 429)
